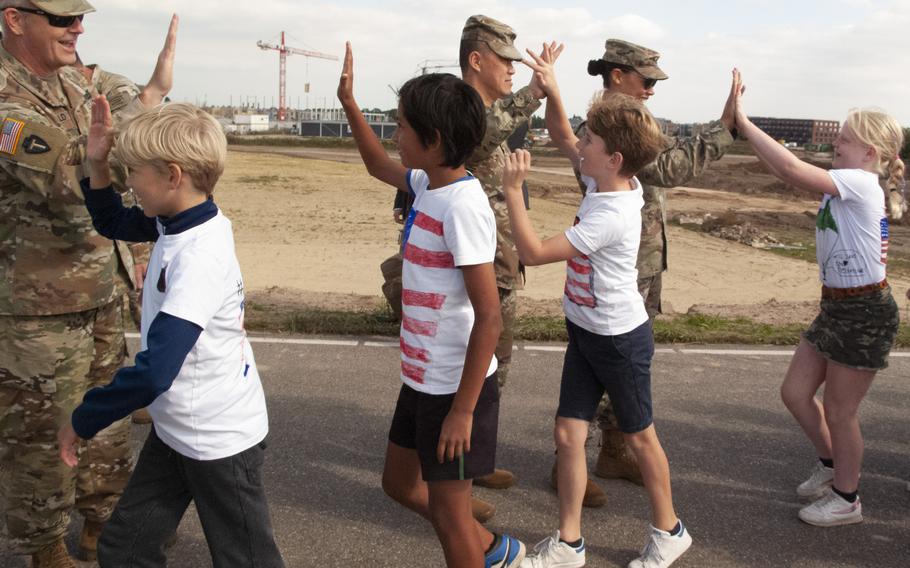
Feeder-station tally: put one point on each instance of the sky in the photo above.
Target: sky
(799, 58)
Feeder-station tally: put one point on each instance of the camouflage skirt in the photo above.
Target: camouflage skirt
(856, 332)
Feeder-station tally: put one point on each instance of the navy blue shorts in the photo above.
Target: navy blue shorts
(619, 364)
(417, 424)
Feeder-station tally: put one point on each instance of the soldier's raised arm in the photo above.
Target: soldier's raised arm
(684, 158)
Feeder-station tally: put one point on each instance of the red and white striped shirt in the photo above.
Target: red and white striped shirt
(448, 227)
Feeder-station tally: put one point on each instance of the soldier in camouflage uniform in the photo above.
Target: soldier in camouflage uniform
(61, 317)
(486, 56)
(632, 70)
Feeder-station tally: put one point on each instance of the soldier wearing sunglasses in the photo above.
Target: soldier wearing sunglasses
(632, 70)
(60, 305)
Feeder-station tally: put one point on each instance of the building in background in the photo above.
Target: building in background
(797, 130)
(333, 122)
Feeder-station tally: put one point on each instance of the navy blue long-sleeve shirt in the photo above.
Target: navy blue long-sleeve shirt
(169, 339)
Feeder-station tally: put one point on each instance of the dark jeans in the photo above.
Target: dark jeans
(229, 498)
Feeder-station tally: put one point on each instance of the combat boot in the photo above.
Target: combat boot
(594, 495)
(616, 460)
(88, 540)
(482, 510)
(499, 479)
(53, 556)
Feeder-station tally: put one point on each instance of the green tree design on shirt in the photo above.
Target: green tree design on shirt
(825, 220)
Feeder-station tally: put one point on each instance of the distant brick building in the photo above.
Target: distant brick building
(800, 131)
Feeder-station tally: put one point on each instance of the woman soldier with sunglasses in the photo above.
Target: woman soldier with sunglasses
(60, 321)
(632, 70)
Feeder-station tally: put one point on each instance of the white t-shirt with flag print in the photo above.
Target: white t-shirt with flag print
(601, 293)
(447, 227)
(851, 231)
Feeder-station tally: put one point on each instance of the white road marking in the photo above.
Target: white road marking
(544, 348)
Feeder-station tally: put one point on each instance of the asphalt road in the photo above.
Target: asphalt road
(736, 457)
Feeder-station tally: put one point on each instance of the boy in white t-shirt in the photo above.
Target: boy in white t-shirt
(196, 371)
(443, 433)
(610, 339)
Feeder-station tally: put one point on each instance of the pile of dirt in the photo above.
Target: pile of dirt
(729, 226)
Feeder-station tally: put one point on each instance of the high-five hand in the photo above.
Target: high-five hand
(346, 82)
(544, 80)
(162, 80)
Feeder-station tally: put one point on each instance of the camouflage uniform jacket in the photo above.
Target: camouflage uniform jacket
(681, 161)
(51, 259)
(123, 96)
(503, 117)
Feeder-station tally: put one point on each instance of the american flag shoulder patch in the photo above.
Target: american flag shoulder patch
(10, 133)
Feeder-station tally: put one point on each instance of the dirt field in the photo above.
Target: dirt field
(312, 227)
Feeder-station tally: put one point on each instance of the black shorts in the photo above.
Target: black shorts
(417, 424)
(619, 364)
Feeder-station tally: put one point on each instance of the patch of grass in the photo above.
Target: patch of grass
(702, 328)
(298, 141)
(263, 180)
(684, 328)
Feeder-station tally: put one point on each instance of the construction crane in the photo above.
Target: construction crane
(283, 51)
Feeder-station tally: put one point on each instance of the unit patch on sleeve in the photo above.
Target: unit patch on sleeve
(35, 144)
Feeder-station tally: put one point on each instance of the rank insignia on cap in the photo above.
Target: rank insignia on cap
(35, 144)
(9, 139)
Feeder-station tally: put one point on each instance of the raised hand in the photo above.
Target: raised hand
(544, 80)
(515, 170)
(162, 80)
(737, 93)
(100, 132)
(346, 82)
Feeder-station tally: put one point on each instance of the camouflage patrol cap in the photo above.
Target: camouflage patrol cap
(64, 7)
(640, 58)
(499, 37)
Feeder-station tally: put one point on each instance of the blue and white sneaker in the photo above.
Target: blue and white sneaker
(508, 554)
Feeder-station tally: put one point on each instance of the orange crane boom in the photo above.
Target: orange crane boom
(283, 51)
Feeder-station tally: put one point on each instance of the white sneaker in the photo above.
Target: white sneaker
(818, 483)
(662, 548)
(551, 553)
(832, 510)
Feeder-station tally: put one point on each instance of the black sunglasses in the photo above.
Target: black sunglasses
(53, 20)
(645, 81)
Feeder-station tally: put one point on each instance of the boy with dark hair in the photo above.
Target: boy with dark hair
(443, 433)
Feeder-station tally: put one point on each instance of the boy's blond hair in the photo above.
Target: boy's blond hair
(874, 127)
(175, 133)
(626, 127)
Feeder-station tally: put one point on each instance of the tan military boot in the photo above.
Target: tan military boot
(499, 479)
(616, 460)
(88, 540)
(53, 556)
(482, 510)
(594, 495)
